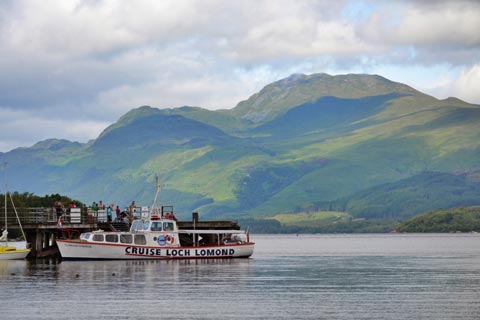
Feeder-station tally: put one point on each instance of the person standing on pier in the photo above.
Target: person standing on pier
(58, 209)
(59, 212)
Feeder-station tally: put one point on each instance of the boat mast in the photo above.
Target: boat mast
(5, 183)
(5, 232)
(154, 209)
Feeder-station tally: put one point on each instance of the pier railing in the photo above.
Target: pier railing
(48, 216)
(45, 216)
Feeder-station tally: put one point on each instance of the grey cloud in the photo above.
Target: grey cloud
(427, 25)
(24, 128)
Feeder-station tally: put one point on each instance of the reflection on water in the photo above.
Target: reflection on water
(316, 277)
(12, 268)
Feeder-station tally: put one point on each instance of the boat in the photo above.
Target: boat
(11, 250)
(18, 244)
(8, 252)
(157, 236)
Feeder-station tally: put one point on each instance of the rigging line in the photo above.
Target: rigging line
(18, 219)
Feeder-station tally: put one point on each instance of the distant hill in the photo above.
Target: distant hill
(463, 219)
(361, 144)
(410, 196)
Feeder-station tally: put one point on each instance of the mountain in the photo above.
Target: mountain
(356, 143)
(147, 128)
(298, 89)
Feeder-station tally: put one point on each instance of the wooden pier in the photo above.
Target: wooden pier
(42, 227)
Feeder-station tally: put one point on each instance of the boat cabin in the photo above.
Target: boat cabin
(161, 229)
(154, 225)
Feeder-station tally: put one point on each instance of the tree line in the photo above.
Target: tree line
(30, 200)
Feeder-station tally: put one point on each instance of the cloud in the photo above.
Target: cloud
(450, 82)
(78, 29)
(433, 31)
(91, 61)
(424, 23)
(23, 128)
(467, 84)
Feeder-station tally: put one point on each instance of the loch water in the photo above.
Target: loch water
(386, 276)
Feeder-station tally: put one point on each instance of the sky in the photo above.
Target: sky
(70, 68)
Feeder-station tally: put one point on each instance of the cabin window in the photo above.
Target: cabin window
(126, 238)
(140, 239)
(111, 238)
(168, 226)
(156, 226)
(140, 226)
(85, 236)
(98, 237)
(135, 225)
(146, 225)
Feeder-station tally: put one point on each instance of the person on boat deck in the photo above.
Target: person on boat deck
(118, 212)
(58, 209)
(94, 206)
(109, 214)
(170, 215)
(110, 210)
(131, 211)
(124, 215)
(101, 205)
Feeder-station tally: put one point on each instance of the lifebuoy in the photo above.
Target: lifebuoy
(169, 239)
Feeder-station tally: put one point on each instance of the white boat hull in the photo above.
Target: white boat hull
(74, 249)
(17, 244)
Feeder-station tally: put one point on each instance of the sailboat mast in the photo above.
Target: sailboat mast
(5, 183)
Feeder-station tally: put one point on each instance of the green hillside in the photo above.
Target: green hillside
(360, 144)
(317, 222)
(408, 197)
(463, 219)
